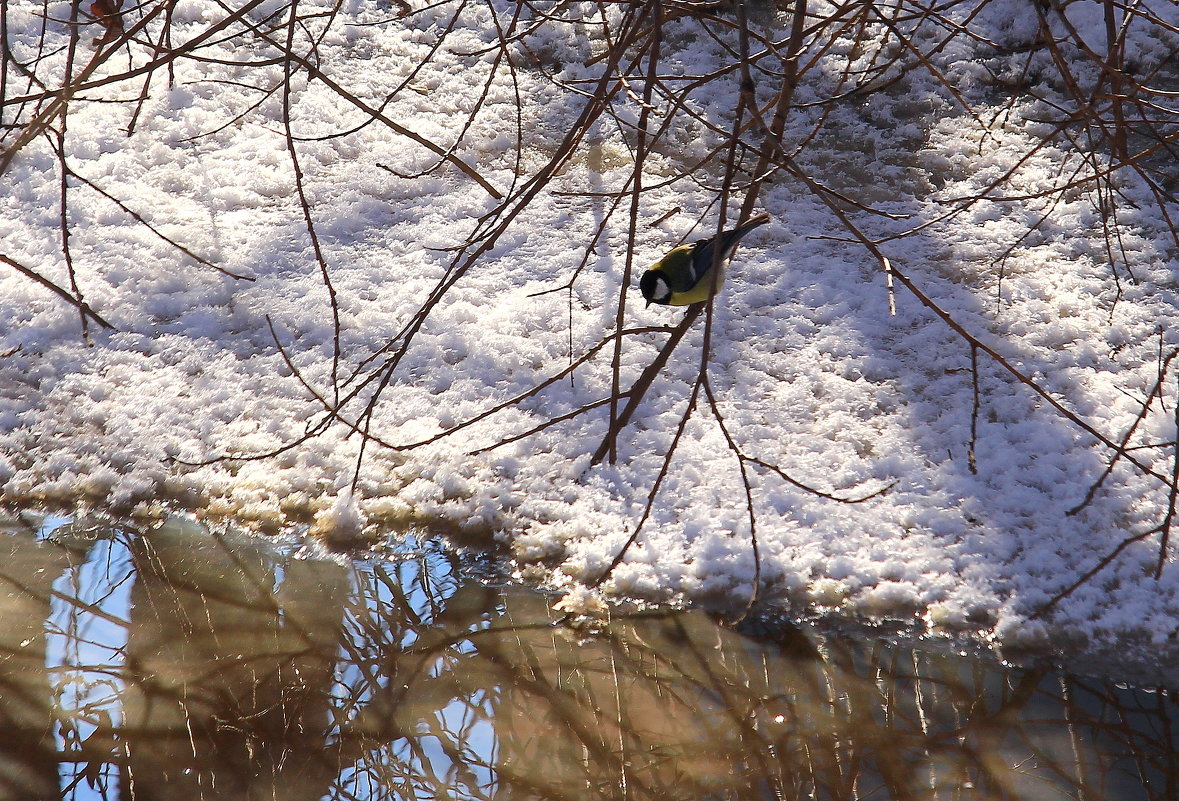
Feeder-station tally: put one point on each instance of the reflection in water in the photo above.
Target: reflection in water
(176, 663)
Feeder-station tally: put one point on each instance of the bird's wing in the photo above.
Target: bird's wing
(702, 258)
(680, 268)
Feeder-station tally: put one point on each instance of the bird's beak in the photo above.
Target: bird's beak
(648, 305)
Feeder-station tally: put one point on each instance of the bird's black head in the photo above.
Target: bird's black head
(654, 287)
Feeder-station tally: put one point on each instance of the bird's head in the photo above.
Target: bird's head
(654, 287)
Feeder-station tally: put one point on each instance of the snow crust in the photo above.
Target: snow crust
(811, 372)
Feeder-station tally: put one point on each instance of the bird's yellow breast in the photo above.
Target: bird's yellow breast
(697, 294)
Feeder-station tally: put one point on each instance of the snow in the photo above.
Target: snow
(811, 372)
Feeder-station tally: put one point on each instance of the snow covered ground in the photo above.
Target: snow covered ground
(811, 372)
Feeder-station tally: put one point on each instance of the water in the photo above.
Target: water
(176, 663)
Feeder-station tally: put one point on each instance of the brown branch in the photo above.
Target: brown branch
(639, 388)
(1156, 391)
(720, 421)
(636, 184)
(974, 409)
(64, 294)
(650, 504)
(142, 221)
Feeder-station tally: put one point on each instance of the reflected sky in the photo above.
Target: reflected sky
(175, 662)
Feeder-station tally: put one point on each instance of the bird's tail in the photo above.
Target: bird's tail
(753, 222)
(707, 249)
(729, 239)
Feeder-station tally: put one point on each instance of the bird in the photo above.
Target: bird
(684, 276)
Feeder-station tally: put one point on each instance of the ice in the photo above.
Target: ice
(207, 373)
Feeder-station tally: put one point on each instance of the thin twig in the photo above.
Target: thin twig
(64, 294)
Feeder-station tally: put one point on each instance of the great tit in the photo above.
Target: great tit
(684, 276)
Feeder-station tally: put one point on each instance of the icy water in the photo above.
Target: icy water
(175, 663)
